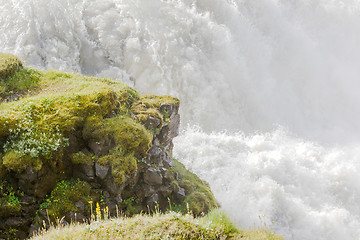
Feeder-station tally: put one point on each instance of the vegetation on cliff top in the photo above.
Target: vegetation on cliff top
(53, 105)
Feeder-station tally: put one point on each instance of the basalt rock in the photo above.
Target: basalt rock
(92, 145)
(153, 177)
(101, 171)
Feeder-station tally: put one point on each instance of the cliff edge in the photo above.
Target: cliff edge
(70, 144)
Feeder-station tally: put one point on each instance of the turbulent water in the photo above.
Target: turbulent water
(269, 90)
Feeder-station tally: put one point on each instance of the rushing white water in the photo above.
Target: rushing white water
(269, 91)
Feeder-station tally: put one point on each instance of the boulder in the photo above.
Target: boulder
(101, 171)
(180, 195)
(153, 176)
(155, 155)
(152, 122)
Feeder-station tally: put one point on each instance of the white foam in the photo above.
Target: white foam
(298, 188)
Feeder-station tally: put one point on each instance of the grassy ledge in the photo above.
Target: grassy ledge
(172, 225)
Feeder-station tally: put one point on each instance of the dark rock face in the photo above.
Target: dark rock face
(86, 172)
(150, 184)
(152, 122)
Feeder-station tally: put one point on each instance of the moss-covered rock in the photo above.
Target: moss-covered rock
(121, 130)
(9, 64)
(56, 127)
(14, 161)
(151, 110)
(198, 197)
(121, 163)
(82, 158)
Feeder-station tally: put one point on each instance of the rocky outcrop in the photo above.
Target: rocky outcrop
(76, 148)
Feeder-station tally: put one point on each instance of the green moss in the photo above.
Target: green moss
(20, 82)
(12, 160)
(143, 115)
(9, 201)
(199, 203)
(8, 120)
(154, 101)
(121, 163)
(199, 198)
(65, 100)
(64, 197)
(30, 139)
(8, 65)
(122, 131)
(149, 105)
(91, 125)
(82, 158)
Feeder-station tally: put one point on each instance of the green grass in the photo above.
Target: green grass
(21, 82)
(171, 225)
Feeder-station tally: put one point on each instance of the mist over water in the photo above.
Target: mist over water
(300, 189)
(269, 92)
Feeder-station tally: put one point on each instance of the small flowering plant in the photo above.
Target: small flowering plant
(27, 139)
